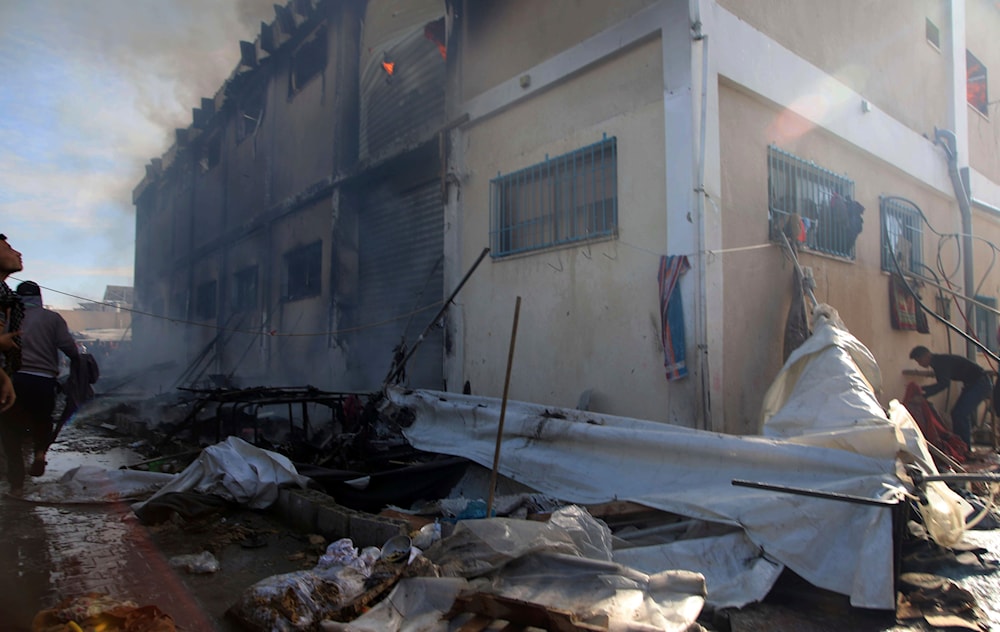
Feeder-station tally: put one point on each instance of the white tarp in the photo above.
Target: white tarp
(236, 471)
(585, 458)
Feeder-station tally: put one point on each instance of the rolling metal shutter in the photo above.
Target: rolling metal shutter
(401, 269)
(406, 107)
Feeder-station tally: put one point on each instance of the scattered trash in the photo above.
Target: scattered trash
(96, 611)
(341, 586)
(427, 535)
(199, 564)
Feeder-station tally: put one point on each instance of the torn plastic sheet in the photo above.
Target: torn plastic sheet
(91, 484)
(563, 564)
(732, 565)
(237, 471)
(585, 457)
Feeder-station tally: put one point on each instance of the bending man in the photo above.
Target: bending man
(976, 386)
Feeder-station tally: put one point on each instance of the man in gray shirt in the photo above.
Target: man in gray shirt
(43, 335)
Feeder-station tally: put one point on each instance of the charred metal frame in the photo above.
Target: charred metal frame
(241, 399)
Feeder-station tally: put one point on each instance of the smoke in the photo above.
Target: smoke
(92, 91)
(120, 75)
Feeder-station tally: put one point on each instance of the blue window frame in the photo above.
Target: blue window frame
(567, 199)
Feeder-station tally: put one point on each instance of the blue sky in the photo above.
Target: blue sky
(91, 91)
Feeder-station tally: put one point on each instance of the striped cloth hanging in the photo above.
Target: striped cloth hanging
(672, 314)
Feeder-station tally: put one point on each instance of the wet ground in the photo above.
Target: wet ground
(49, 552)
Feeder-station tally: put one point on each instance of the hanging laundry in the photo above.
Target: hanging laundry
(902, 307)
(797, 324)
(672, 314)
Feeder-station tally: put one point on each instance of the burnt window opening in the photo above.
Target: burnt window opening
(303, 270)
(933, 34)
(813, 207)
(308, 60)
(902, 236)
(975, 84)
(249, 115)
(566, 199)
(204, 302)
(245, 289)
(211, 153)
(179, 305)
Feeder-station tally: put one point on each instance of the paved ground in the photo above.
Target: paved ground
(50, 552)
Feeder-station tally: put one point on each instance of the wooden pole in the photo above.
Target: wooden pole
(503, 408)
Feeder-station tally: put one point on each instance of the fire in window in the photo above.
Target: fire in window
(975, 84)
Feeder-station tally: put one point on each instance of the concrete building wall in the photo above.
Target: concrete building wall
(759, 281)
(874, 47)
(589, 316)
(299, 351)
(515, 35)
(301, 126)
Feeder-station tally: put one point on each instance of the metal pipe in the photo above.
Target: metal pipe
(949, 142)
(815, 493)
(396, 370)
(503, 409)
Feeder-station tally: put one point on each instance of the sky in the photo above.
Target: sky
(90, 92)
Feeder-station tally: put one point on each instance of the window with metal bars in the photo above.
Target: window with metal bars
(902, 235)
(813, 207)
(570, 198)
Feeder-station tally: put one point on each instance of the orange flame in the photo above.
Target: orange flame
(389, 66)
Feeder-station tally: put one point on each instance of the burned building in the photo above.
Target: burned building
(344, 180)
(288, 225)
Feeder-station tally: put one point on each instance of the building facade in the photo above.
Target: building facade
(355, 165)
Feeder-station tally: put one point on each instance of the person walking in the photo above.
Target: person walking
(11, 312)
(43, 335)
(975, 380)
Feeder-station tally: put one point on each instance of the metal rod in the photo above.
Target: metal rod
(969, 477)
(503, 408)
(850, 498)
(397, 369)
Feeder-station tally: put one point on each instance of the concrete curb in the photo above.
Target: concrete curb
(316, 512)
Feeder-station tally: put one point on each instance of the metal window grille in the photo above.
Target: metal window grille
(814, 207)
(902, 235)
(570, 198)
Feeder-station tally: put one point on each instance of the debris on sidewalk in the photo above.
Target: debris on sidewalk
(95, 611)
(197, 563)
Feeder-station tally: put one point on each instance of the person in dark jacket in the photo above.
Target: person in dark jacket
(976, 386)
(43, 335)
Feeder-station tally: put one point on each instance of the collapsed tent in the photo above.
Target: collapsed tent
(824, 430)
(234, 471)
